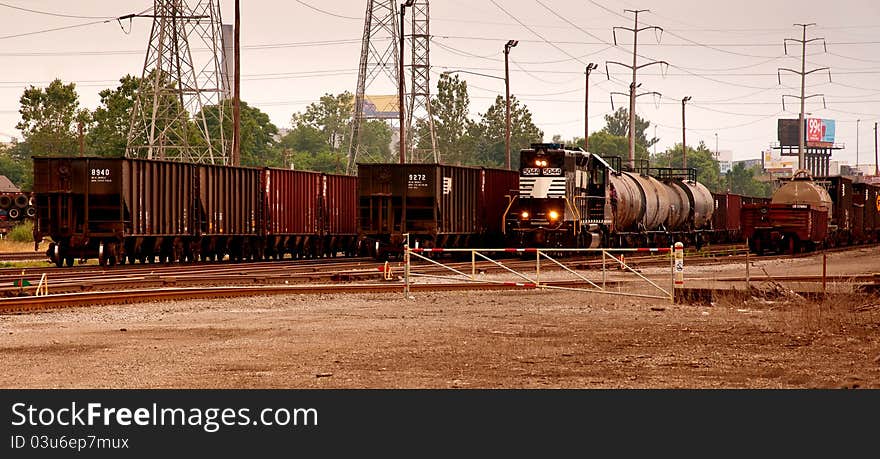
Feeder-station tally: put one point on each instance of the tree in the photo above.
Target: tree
(15, 164)
(450, 108)
(488, 136)
(331, 115)
(111, 121)
(701, 159)
(320, 136)
(742, 181)
(617, 124)
(258, 144)
(606, 144)
(48, 117)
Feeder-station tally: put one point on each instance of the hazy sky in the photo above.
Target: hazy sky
(723, 54)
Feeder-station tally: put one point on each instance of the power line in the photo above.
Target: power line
(327, 12)
(47, 13)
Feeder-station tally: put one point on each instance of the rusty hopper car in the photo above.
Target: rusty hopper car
(113, 209)
(291, 208)
(437, 205)
(228, 213)
(339, 202)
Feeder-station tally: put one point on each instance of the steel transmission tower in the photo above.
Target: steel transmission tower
(419, 113)
(633, 85)
(176, 89)
(803, 97)
(379, 58)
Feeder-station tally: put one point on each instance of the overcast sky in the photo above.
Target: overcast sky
(723, 54)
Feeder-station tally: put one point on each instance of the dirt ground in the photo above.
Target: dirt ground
(511, 339)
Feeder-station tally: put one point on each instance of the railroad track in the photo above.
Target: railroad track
(93, 285)
(23, 256)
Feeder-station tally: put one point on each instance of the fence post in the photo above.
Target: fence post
(678, 268)
(748, 268)
(406, 268)
(473, 265)
(604, 272)
(538, 266)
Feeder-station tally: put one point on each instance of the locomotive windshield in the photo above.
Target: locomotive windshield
(542, 163)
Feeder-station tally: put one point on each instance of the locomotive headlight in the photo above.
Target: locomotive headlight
(553, 215)
(524, 215)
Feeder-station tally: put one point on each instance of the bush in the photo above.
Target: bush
(22, 232)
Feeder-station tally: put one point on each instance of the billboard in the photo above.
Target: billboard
(820, 132)
(817, 132)
(381, 107)
(787, 131)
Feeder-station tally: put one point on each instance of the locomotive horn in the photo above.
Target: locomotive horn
(5, 202)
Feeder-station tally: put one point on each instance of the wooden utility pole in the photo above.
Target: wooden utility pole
(684, 148)
(590, 67)
(236, 102)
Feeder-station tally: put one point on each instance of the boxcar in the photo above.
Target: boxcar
(841, 191)
(437, 205)
(113, 209)
(726, 221)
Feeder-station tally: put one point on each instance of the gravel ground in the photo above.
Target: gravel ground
(507, 339)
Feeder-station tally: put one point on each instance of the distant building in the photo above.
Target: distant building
(6, 185)
(725, 160)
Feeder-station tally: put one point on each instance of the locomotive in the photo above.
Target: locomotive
(575, 199)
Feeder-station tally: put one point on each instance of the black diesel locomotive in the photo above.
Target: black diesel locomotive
(574, 199)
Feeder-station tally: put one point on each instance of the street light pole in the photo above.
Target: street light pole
(684, 155)
(590, 67)
(857, 143)
(400, 83)
(507, 46)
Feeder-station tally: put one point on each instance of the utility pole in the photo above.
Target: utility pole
(236, 101)
(876, 166)
(401, 80)
(684, 155)
(590, 67)
(803, 74)
(632, 88)
(857, 143)
(82, 144)
(507, 46)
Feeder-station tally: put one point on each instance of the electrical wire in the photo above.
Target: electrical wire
(60, 15)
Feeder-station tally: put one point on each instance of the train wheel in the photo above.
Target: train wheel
(55, 254)
(103, 255)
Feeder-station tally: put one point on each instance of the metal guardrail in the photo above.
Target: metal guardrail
(614, 257)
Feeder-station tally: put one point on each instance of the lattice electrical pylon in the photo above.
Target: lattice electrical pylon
(379, 58)
(419, 111)
(168, 120)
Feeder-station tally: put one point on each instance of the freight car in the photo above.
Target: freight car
(572, 198)
(125, 210)
(808, 213)
(437, 205)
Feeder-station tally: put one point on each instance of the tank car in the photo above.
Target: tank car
(657, 206)
(796, 219)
